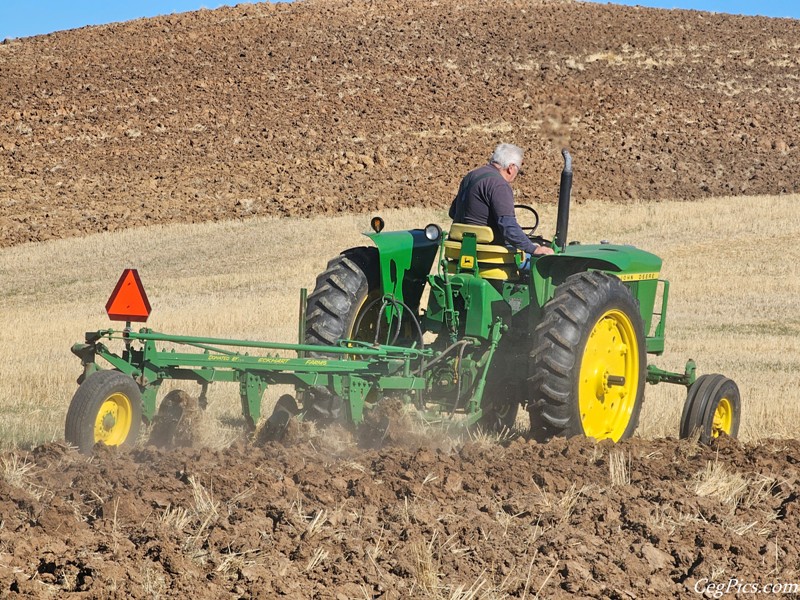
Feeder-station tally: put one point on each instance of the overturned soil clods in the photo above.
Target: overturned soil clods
(399, 522)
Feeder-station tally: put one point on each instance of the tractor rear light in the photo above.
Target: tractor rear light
(377, 224)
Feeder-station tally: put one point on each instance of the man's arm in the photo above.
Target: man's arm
(513, 234)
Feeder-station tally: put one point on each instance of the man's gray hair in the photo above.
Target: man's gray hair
(507, 154)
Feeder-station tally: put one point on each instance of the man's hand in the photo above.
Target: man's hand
(542, 250)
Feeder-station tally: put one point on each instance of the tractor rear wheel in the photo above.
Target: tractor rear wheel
(107, 407)
(341, 307)
(343, 291)
(713, 406)
(587, 366)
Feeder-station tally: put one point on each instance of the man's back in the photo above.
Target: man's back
(483, 197)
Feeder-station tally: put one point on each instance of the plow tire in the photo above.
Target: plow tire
(587, 365)
(107, 407)
(340, 294)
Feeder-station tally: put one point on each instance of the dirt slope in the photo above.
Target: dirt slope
(329, 106)
(309, 521)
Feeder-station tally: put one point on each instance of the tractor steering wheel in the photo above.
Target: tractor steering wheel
(529, 229)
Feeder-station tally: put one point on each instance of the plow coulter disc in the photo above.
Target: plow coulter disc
(175, 423)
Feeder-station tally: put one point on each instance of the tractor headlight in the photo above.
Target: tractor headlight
(377, 224)
(433, 232)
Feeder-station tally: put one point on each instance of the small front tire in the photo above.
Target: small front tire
(713, 406)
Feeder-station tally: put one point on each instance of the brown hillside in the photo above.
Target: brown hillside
(328, 106)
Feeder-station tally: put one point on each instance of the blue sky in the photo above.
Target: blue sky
(23, 18)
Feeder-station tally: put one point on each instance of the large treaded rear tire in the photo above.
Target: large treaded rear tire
(342, 291)
(591, 330)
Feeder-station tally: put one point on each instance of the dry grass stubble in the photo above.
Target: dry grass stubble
(732, 263)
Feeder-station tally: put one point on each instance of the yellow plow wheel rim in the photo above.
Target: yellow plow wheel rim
(611, 352)
(723, 418)
(114, 420)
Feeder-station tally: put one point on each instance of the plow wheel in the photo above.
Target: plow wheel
(713, 407)
(107, 407)
(175, 422)
(587, 363)
(341, 307)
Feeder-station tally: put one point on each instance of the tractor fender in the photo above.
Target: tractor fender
(626, 262)
(638, 269)
(406, 259)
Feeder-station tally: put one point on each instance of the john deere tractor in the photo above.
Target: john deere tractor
(447, 323)
(567, 340)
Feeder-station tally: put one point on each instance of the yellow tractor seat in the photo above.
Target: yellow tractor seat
(494, 262)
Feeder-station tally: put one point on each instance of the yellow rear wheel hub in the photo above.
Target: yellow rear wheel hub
(723, 418)
(609, 377)
(114, 420)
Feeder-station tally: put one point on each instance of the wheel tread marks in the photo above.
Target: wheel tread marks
(87, 400)
(555, 351)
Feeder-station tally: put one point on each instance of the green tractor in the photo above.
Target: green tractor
(568, 341)
(447, 323)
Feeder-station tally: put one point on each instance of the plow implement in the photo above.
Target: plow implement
(567, 340)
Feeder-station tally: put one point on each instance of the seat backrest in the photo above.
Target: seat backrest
(494, 262)
(483, 234)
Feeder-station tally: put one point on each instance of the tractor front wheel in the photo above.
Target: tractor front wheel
(587, 366)
(107, 407)
(712, 406)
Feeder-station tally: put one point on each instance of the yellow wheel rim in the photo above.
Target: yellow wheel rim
(609, 377)
(114, 420)
(723, 418)
(366, 332)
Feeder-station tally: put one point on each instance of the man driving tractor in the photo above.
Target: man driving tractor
(485, 198)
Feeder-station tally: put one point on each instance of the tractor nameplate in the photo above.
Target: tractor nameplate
(637, 276)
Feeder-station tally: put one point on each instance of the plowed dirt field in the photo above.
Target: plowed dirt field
(414, 518)
(322, 107)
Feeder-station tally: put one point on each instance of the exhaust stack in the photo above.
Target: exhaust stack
(562, 221)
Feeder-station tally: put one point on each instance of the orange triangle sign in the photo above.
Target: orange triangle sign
(128, 302)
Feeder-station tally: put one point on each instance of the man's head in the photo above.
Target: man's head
(508, 159)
